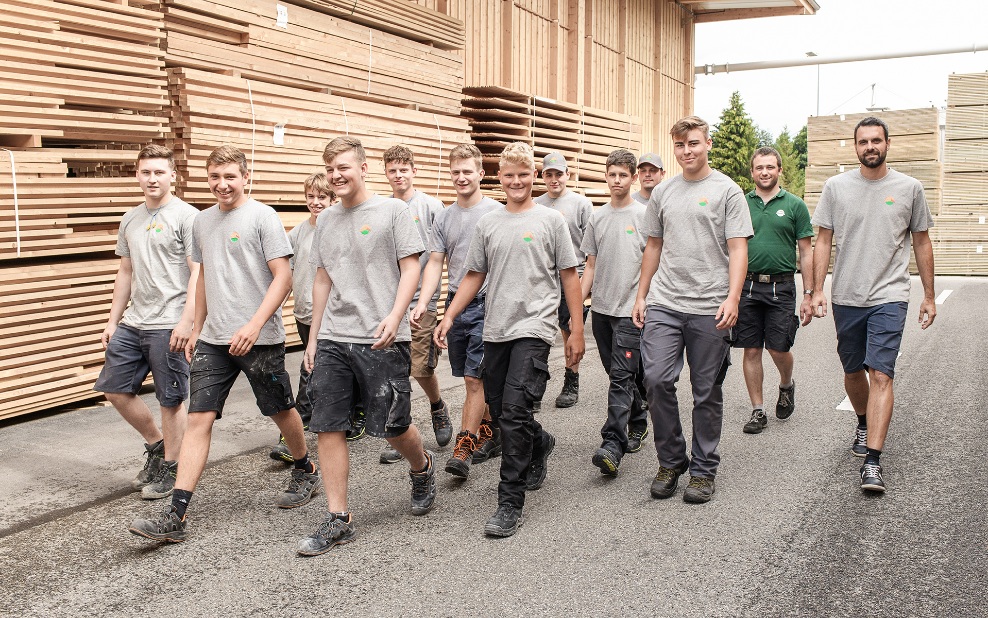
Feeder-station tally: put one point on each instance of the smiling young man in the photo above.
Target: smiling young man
(613, 245)
(452, 232)
(243, 253)
(872, 213)
(521, 252)
(157, 279)
(576, 210)
(692, 272)
(366, 252)
(766, 314)
(399, 167)
(650, 174)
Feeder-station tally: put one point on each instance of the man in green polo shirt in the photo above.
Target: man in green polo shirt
(766, 314)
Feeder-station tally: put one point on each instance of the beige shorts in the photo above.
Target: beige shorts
(425, 353)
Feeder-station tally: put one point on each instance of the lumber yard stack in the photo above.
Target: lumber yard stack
(84, 84)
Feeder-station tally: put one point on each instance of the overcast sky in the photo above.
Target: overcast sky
(775, 98)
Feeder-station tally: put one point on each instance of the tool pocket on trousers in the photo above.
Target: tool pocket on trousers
(628, 350)
(399, 403)
(793, 327)
(537, 379)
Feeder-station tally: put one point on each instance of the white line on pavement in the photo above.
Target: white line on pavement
(943, 296)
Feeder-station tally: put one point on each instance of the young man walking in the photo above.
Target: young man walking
(613, 245)
(693, 269)
(452, 232)
(243, 253)
(766, 314)
(157, 278)
(366, 250)
(650, 174)
(576, 210)
(521, 252)
(399, 167)
(872, 213)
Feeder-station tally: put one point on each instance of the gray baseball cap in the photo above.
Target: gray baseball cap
(554, 161)
(651, 159)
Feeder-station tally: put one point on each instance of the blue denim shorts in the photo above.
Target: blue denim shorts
(133, 354)
(869, 337)
(465, 340)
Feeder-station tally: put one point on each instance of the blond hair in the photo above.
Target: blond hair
(154, 151)
(690, 123)
(518, 153)
(467, 151)
(340, 145)
(227, 154)
(319, 184)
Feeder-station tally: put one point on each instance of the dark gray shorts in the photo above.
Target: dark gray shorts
(869, 337)
(465, 340)
(381, 377)
(133, 354)
(214, 371)
(767, 316)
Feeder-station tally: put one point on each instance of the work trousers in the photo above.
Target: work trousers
(619, 345)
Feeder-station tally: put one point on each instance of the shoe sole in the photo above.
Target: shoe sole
(873, 487)
(606, 466)
(566, 404)
(418, 511)
(167, 538)
(320, 552)
(151, 495)
(497, 531)
(495, 452)
(458, 468)
(857, 454)
(783, 415)
(295, 505)
(693, 498)
(752, 430)
(545, 467)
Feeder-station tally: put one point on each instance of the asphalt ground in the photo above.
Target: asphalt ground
(788, 532)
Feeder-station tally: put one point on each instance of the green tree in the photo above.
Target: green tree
(799, 144)
(792, 178)
(764, 137)
(734, 140)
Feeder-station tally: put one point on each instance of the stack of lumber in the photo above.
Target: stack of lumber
(585, 136)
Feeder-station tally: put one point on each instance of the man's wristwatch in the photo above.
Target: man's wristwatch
(810, 292)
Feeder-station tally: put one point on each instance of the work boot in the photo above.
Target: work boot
(154, 456)
(571, 390)
(163, 483)
(488, 442)
(441, 425)
(459, 463)
(424, 487)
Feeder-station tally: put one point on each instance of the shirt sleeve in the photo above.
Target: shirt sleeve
(315, 255)
(274, 240)
(437, 241)
(586, 212)
(589, 244)
(804, 229)
(477, 254)
(652, 223)
(188, 238)
(408, 241)
(293, 241)
(123, 248)
(737, 223)
(823, 216)
(565, 254)
(921, 219)
(197, 240)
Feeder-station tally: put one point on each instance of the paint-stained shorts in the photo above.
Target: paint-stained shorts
(132, 354)
(425, 352)
(381, 377)
(214, 371)
(869, 337)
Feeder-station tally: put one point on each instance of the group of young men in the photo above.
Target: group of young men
(690, 265)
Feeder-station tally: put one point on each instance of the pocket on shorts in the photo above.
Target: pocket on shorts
(400, 403)
(537, 379)
(793, 328)
(177, 382)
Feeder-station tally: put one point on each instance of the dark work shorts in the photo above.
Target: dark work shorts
(563, 312)
(465, 340)
(382, 381)
(132, 354)
(869, 337)
(767, 316)
(214, 371)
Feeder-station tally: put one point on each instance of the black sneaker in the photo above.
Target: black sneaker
(163, 483)
(332, 531)
(154, 454)
(301, 487)
(281, 453)
(390, 455)
(441, 425)
(357, 427)
(570, 393)
(424, 487)
(860, 445)
(488, 443)
(871, 478)
(505, 521)
(537, 468)
(167, 527)
(787, 402)
(606, 461)
(699, 490)
(758, 422)
(666, 479)
(636, 439)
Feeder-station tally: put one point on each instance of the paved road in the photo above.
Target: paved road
(788, 532)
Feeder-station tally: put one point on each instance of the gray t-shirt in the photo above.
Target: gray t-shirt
(615, 237)
(425, 209)
(303, 272)
(695, 218)
(576, 210)
(452, 233)
(359, 249)
(234, 248)
(872, 221)
(158, 243)
(522, 254)
(637, 195)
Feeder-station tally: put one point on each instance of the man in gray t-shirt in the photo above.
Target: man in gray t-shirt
(693, 269)
(872, 213)
(521, 252)
(576, 210)
(147, 336)
(650, 173)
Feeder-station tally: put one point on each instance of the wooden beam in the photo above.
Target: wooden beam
(703, 17)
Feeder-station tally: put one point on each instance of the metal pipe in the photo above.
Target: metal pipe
(712, 69)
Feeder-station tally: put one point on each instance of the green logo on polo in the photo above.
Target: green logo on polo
(703, 201)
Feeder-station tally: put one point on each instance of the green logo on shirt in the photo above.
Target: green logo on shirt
(416, 219)
(703, 201)
(629, 230)
(365, 230)
(889, 201)
(234, 237)
(527, 236)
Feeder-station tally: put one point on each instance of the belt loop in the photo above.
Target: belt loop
(774, 295)
(751, 284)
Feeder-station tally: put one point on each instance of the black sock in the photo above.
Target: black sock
(872, 456)
(862, 421)
(343, 516)
(180, 500)
(303, 463)
(438, 405)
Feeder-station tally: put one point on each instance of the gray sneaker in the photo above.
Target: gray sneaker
(154, 455)
(163, 483)
(424, 487)
(302, 486)
(390, 455)
(332, 531)
(166, 527)
(699, 490)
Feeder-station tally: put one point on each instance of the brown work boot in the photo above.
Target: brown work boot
(488, 442)
(459, 463)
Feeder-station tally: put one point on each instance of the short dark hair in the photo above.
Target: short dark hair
(622, 157)
(766, 151)
(871, 121)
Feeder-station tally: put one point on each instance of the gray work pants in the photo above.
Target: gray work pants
(666, 335)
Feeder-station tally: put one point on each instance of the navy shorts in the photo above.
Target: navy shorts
(214, 371)
(465, 340)
(767, 316)
(564, 312)
(869, 337)
(381, 379)
(133, 354)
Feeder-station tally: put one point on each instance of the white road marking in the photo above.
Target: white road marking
(943, 296)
